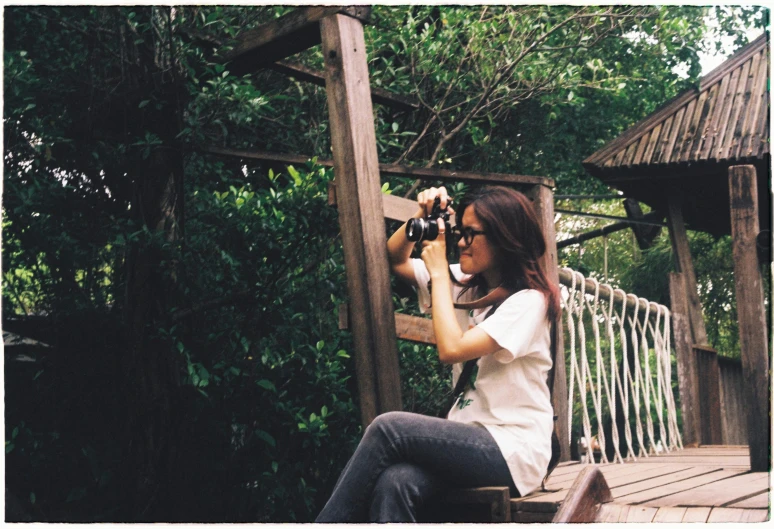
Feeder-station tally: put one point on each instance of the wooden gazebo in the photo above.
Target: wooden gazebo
(704, 160)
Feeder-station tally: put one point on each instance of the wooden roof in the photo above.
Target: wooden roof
(694, 138)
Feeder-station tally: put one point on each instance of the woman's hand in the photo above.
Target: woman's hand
(426, 198)
(434, 254)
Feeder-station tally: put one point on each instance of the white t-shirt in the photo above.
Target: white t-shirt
(511, 397)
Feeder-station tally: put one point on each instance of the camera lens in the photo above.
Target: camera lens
(421, 230)
(414, 229)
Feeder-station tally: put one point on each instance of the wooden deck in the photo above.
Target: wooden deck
(707, 484)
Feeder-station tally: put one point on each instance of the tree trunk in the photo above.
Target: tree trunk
(151, 363)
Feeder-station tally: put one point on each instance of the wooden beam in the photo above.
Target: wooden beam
(353, 139)
(407, 327)
(283, 37)
(643, 234)
(498, 499)
(753, 339)
(394, 207)
(610, 228)
(378, 95)
(684, 265)
(588, 492)
(687, 377)
(543, 200)
(395, 170)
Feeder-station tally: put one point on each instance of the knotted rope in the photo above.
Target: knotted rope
(643, 381)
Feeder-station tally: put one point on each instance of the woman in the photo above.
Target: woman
(498, 432)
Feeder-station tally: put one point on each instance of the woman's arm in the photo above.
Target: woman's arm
(399, 247)
(399, 253)
(454, 345)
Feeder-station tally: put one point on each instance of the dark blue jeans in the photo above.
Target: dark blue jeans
(405, 460)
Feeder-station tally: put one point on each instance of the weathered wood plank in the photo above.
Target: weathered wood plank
(744, 117)
(720, 514)
(414, 329)
(760, 501)
(294, 32)
(498, 499)
(584, 498)
(621, 493)
(755, 108)
(684, 264)
(393, 207)
(652, 142)
(736, 109)
(543, 200)
(687, 377)
(753, 339)
(378, 95)
(669, 514)
(639, 514)
(693, 126)
(728, 106)
(696, 514)
(608, 513)
(661, 144)
(716, 493)
(756, 515)
(720, 461)
(734, 417)
(360, 215)
(615, 475)
(666, 156)
(651, 495)
(709, 395)
(703, 132)
(721, 102)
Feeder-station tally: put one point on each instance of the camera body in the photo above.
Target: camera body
(426, 229)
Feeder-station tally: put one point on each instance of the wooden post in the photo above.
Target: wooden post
(684, 265)
(360, 215)
(709, 395)
(687, 377)
(543, 200)
(753, 339)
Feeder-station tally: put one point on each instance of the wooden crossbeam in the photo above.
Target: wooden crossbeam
(407, 327)
(610, 228)
(385, 169)
(378, 95)
(281, 38)
(394, 207)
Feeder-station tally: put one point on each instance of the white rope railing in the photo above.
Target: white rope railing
(641, 382)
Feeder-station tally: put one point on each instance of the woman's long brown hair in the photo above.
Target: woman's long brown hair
(511, 224)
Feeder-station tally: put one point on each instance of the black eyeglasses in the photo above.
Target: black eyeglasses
(465, 233)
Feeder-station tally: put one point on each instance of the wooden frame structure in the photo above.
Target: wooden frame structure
(709, 148)
(362, 207)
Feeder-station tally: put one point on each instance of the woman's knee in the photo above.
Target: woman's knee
(389, 422)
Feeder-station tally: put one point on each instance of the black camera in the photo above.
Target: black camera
(426, 229)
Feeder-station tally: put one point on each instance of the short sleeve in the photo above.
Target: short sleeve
(515, 323)
(422, 277)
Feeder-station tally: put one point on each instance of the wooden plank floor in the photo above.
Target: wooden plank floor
(706, 484)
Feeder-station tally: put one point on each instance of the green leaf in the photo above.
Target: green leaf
(265, 384)
(268, 439)
(143, 103)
